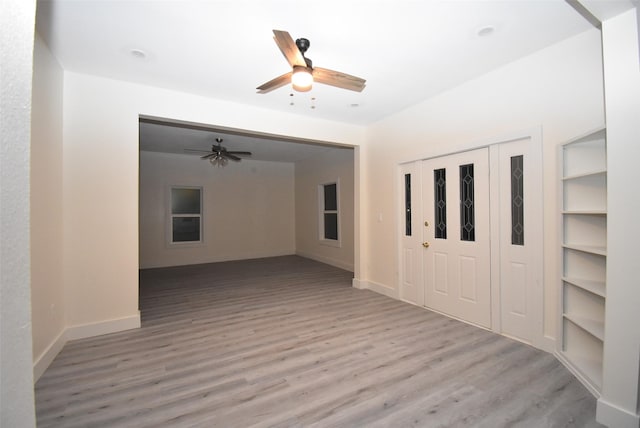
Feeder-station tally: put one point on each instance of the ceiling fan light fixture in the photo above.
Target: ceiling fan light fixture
(218, 161)
(301, 79)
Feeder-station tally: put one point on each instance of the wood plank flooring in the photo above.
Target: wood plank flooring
(287, 342)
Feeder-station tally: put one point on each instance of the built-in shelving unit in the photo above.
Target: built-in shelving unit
(584, 250)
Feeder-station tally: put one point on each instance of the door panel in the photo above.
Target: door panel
(456, 262)
(516, 282)
(440, 269)
(520, 240)
(409, 276)
(468, 272)
(411, 288)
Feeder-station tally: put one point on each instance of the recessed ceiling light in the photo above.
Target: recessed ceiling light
(138, 53)
(486, 31)
(354, 105)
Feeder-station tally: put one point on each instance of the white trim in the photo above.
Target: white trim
(572, 368)
(102, 327)
(226, 258)
(536, 157)
(47, 356)
(547, 344)
(81, 332)
(378, 288)
(479, 144)
(613, 416)
(494, 245)
(326, 260)
(358, 283)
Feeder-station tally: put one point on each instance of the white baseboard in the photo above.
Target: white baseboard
(81, 332)
(584, 380)
(613, 416)
(378, 288)
(547, 344)
(227, 257)
(46, 357)
(103, 327)
(326, 260)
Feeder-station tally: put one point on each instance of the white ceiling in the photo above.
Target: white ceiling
(407, 50)
(180, 138)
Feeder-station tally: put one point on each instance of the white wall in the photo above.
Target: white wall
(100, 177)
(558, 89)
(17, 20)
(618, 405)
(248, 209)
(331, 166)
(47, 283)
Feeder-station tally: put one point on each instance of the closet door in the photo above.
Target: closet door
(456, 236)
(410, 260)
(520, 240)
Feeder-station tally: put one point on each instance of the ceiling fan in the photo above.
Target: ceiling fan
(219, 156)
(303, 74)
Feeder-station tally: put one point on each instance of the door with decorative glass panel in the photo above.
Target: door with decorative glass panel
(456, 245)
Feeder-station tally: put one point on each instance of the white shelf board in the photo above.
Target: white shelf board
(591, 326)
(595, 287)
(584, 212)
(585, 174)
(592, 249)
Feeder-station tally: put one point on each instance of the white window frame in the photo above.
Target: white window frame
(322, 211)
(171, 216)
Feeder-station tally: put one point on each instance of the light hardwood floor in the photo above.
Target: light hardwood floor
(287, 342)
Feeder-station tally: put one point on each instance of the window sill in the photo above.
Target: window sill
(178, 245)
(330, 243)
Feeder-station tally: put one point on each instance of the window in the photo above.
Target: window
(186, 214)
(328, 198)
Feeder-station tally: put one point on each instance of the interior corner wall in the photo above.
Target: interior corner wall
(330, 166)
(558, 89)
(47, 283)
(100, 180)
(248, 209)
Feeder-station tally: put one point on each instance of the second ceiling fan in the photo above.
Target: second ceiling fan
(303, 74)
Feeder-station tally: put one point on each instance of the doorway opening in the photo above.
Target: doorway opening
(265, 204)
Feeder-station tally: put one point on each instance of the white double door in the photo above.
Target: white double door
(474, 247)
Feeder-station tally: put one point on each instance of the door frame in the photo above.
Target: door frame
(535, 225)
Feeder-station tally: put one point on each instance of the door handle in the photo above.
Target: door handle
(425, 244)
